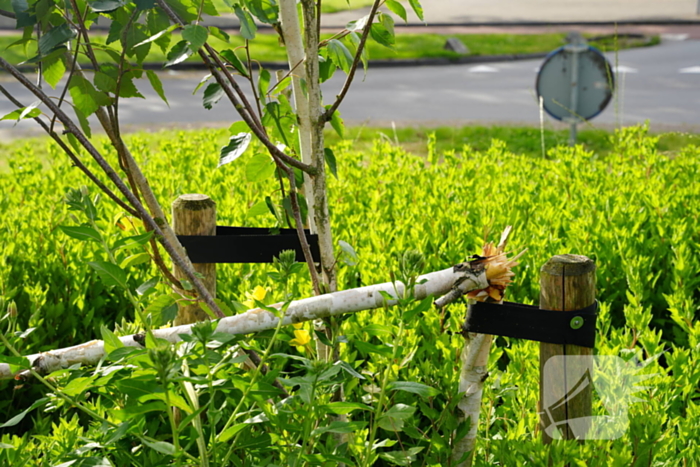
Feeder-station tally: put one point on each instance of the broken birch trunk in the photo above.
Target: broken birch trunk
(475, 353)
(256, 320)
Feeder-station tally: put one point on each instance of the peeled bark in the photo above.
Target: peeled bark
(317, 123)
(475, 353)
(475, 358)
(256, 320)
(291, 33)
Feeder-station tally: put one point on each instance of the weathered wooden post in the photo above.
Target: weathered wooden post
(567, 283)
(195, 214)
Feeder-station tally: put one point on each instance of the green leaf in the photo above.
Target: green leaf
(131, 411)
(173, 398)
(231, 57)
(111, 341)
(25, 17)
(340, 55)
(135, 241)
(263, 84)
(231, 431)
(86, 98)
(339, 427)
(136, 34)
(24, 112)
(157, 85)
(349, 255)
(260, 167)
(143, 5)
(157, 22)
(56, 52)
(367, 348)
(396, 8)
(422, 390)
(417, 9)
(103, 6)
(84, 124)
(421, 307)
(265, 10)
(248, 27)
(104, 82)
(212, 94)
(15, 363)
(147, 286)
(219, 34)
(160, 309)
(345, 366)
(55, 37)
(179, 53)
(54, 69)
(337, 123)
(162, 447)
(82, 233)
(135, 260)
(383, 31)
(330, 160)
(326, 67)
(236, 146)
(342, 408)
(109, 273)
(157, 36)
(196, 35)
(258, 209)
(19, 417)
(401, 458)
(364, 58)
(77, 386)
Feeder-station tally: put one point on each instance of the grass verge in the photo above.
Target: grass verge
(518, 140)
(266, 47)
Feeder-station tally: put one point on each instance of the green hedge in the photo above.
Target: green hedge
(634, 210)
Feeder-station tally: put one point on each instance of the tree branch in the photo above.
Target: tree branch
(257, 320)
(358, 56)
(171, 248)
(74, 158)
(245, 111)
(8, 14)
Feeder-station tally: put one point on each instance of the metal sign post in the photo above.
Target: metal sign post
(575, 83)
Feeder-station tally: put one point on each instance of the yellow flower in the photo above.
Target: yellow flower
(301, 337)
(298, 325)
(258, 294)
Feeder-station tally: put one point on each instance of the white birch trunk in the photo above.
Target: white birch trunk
(291, 33)
(475, 358)
(317, 123)
(256, 320)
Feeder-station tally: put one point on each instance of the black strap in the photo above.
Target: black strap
(576, 327)
(246, 245)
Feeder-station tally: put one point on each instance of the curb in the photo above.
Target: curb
(398, 63)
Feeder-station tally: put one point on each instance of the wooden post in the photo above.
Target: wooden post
(195, 214)
(567, 283)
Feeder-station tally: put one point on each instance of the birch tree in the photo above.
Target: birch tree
(61, 32)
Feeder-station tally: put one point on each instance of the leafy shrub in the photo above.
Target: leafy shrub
(634, 210)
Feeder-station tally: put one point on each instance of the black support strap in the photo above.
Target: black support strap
(530, 322)
(246, 245)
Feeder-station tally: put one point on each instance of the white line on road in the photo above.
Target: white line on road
(624, 69)
(483, 69)
(690, 69)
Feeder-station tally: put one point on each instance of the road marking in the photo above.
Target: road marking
(483, 69)
(690, 69)
(624, 69)
(674, 37)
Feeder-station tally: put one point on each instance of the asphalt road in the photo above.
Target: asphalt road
(660, 84)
